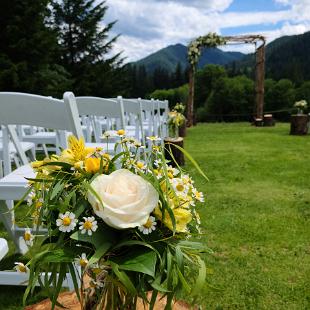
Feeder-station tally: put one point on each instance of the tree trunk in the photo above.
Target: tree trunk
(176, 153)
(182, 130)
(259, 80)
(299, 124)
(190, 102)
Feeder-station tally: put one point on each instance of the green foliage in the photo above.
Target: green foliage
(206, 80)
(84, 45)
(286, 58)
(174, 95)
(49, 47)
(28, 49)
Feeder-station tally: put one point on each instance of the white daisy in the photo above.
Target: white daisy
(21, 268)
(89, 225)
(28, 237)
(173, 170)
(198, 195)
(66, 221)
(109, 134)
(149, 226)
(179, 187)
(153, 138)
(82, 260)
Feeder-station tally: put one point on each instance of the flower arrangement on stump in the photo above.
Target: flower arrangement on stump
(300, 121)
(301, 106)
(120, 225)
(176, 119)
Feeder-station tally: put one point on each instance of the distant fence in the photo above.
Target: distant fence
(278, 115)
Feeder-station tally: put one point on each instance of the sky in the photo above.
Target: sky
(146, 26)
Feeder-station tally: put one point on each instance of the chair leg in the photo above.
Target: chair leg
(7, 217)
(45, 150)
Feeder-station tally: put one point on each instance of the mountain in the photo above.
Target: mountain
(171, 55)
(286, 57)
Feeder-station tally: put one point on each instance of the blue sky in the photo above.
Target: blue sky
(148, 25)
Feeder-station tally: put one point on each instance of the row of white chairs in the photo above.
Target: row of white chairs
(137, 116)
(22, 117)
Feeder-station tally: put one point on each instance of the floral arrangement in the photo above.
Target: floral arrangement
(120, 225)
(194, 48)
(301, 106)
(176, 119)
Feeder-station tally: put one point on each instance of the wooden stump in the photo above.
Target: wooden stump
(268, 120)
(177, 154)
(299, 124)
(70, 301)
(258, 122)
(182, 130)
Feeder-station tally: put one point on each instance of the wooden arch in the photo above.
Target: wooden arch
(213, 40)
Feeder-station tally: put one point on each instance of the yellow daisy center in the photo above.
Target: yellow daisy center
(180, 187)
(88, 225)
(148, 224)
(22, 268)
(140, 165)
(27, 236)
(83, 263)
(38, 204)
(121, 132)
(170, 175)
(66, 221)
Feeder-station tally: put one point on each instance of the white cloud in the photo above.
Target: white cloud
(148, 25)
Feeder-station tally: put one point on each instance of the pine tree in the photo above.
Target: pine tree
(84, 46)
(177, 77)
(27, 49)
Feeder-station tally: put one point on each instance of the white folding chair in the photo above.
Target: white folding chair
(4, 248)
(107, 109)
(18, 109)
(133, 118)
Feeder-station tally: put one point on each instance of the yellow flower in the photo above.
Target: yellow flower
(182, 218)
(76, 151)
(92, 165)
(121, 132)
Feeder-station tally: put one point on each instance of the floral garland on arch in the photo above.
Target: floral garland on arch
(209, 40)
(120, 225)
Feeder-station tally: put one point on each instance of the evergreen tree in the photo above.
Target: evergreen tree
(177, 77)
(27, 49)
(84, 47)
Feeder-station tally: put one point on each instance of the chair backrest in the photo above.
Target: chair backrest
(96, 107)
(133, 111)
(34, 110)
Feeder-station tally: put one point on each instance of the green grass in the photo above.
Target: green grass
(256, 217)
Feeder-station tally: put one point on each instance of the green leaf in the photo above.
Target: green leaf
(183, 281)
(58, 256)
(122, 276)
(138, 261)
(191, 159)
(101, 236)
(57, 189)
(104, 247)
(200, 281)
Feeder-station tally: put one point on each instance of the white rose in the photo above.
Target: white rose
(127, 199)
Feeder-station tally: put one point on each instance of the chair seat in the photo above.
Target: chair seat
(3, 248)
(26, 146)
(14, 185)
(42, 137)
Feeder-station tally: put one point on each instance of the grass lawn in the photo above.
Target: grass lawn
(256, 217)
